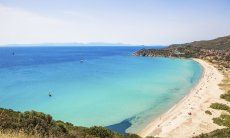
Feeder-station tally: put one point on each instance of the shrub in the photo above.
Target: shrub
(219, 133)
(225, 96)
(208, 112)
(219, 106)
(100, 132)
(37, 124)
(223, 120)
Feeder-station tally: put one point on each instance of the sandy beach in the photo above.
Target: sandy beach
(188, 118)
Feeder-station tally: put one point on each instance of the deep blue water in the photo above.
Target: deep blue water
(25, 56)
(110, 87)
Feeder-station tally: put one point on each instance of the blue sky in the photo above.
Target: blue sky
(149, 22)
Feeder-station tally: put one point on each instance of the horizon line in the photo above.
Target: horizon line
(75, 44)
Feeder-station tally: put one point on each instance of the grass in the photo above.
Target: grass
(14, 135)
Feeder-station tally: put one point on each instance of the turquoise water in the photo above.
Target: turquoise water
(108, 87)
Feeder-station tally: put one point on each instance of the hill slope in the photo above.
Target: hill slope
(216, 50)
(36, 124)
(220, 43)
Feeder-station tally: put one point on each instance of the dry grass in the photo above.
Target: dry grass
(225, 84)
(21, 134)
(16, 135)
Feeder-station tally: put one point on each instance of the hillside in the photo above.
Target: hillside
(215, 51)
(220, 43)
(36, 124)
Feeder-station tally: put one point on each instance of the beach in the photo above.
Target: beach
(188, 118)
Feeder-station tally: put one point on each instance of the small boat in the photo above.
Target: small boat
(50, 95)
(81, 61)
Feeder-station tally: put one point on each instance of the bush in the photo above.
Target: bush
(208, 112)
(30, 123)
(100, 132)
(219, 133)
(37, 124)
(132, 136)
(225, 96)
(223, 120)
(219, 106)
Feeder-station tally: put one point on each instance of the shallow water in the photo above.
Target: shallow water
(108, 87)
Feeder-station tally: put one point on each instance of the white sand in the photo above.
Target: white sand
(177, 122)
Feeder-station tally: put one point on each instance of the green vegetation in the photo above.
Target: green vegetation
(37, 124)
(220, 106)
(216, 51)
(226, 96)
(208, 112)
(217, 44)
(223, 120)
(219, 133)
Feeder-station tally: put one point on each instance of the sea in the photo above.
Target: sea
(94, 85)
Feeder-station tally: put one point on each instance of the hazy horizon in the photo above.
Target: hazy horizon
(78, 44)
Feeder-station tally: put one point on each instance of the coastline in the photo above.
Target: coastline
(188, 118)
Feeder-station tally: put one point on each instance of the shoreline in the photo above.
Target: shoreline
(187, 118)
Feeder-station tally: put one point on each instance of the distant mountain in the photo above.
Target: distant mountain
(218, 44)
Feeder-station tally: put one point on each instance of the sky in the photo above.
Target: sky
(137, 22)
